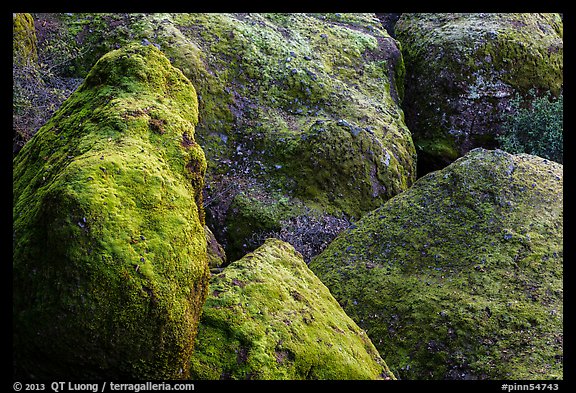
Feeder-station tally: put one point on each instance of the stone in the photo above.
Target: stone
(460, 276)
(259, 112)
(267, 316)
(109, 264)
(216, 253)
(462, 71)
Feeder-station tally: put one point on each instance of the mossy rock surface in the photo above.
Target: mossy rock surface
(24, 41)
(461, 276)
(463, 69)
(265, 82)
(109, 264)
(296, 107)
(267, 316)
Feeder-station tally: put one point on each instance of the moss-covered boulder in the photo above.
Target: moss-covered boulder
(269, 317)
(293, 108)
(109, 258)
(461, 276)
(297, 108)
(462, 70)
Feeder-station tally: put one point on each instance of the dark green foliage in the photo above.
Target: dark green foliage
(535, 126)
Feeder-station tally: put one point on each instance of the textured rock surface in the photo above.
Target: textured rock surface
(463, 69)
(293, 108)
(110, 268)
(309, 116)
(23, 39)
(215, 252)
(460, 277)
(269, 317)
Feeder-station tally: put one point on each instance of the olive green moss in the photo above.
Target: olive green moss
(286, 79)
(460, 276)
(343, 168)
(284, 72)
(215, 252)
(462, 71)
(264, 83)
(24, 42)
(109, 263)
(268, 316)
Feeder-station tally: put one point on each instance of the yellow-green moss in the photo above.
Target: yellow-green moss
(269, 317)
(24, 50)
(460, 276)
(264, 82)
(110, 268)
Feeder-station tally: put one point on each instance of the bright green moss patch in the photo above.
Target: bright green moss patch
(460, 276)
(110, 268)
(264, 81)
(268, 316)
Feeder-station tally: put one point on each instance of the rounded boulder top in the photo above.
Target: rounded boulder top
(460, 276)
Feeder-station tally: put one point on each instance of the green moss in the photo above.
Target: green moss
(284, 76)
(341, 167)
(460, 277)
(462, 70)
(263, 81)
(24, 51)
(215, 252)
(110, 267)
(436, 152)
(269, 317)
(252, 217)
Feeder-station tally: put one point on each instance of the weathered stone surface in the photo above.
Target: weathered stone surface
(298, 109)
(23, 39)
(463, 69)
(269, 317)
(461, 276)
(109, 260)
